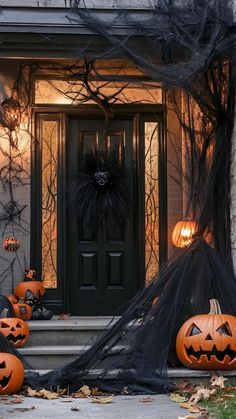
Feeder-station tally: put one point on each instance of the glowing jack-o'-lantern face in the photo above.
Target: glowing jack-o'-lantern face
(208, 341)
(11, 373)
(15, 330)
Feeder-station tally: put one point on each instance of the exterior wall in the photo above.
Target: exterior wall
(21, 193)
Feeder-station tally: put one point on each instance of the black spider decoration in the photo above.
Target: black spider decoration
(100, 192)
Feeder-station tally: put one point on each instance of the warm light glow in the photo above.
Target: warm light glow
(182, 235)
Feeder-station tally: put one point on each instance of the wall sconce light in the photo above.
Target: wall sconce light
(182, 235)
(10, 113)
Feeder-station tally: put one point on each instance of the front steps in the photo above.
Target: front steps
(55, 342)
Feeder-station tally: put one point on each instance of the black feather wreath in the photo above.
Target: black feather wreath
(100, 192)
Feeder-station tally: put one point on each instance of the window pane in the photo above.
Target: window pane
(63, 92)
(49, 130)
(151, 200)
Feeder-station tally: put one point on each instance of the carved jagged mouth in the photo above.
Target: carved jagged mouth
(15, 339)
(5, 380)
(219, 355)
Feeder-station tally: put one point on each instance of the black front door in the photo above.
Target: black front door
(102, 265)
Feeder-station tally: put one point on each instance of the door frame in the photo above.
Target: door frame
(58, 299)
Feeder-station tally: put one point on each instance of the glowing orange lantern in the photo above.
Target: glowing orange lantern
(182, 235)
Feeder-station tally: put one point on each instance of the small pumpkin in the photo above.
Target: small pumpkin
(208, 341)
(11, 373)
(5, 304)
(22, 311)
(182, 235)
(15, 330)
(11, 244)
(41, 313)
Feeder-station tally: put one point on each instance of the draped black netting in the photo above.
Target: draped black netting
(189, 45)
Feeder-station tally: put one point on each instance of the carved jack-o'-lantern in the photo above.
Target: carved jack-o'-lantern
(11, 244)
(22, 311)
(182, 235)
(208, 341)
(15, 330)
(11, 373)
(30, 292)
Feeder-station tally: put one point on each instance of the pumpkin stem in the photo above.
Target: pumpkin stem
(215, 307)
(4, 313)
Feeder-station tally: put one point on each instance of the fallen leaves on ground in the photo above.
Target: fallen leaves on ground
(64, 316)
(102, 400)
(83, 392)
(190, 397)
(45, 394)
(147, 399)
(218, 381)
(201, 394)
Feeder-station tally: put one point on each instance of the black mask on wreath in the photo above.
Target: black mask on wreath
(102, 178)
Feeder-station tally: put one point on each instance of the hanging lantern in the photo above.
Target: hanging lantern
(11, 244)
(10, 113)
(182, 235)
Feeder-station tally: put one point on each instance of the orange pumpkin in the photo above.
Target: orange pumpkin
(30, 291)
(11, 244)
(182, 235)
(208, 341)
(11, 373)
(22, 311)
(15, 330)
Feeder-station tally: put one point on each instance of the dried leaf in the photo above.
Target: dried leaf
(193, 408)
(62, 391)
(187, 417)
(125, 390)
(147, 399)
(175, 397)
(75, 409)
(85, 390)
(31, 393)
(218, 381)
(49, 395)
(64, 316)
(185, 386)
(96, 392)
(201, 394)
(17, 400)
(102, 400)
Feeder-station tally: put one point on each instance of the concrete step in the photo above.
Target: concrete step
(74, 331)
(48, 357)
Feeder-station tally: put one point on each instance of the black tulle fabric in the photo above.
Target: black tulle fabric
(190, 45)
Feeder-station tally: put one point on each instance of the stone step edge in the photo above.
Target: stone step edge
(174, 373)
(75, 323)
(60, 350)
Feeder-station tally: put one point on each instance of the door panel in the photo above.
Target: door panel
(101, 265)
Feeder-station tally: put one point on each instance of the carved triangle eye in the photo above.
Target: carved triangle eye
(193, 330)
(19, 326)
(29, 295)
(4, 325)
(3, 364)
(224, 329)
